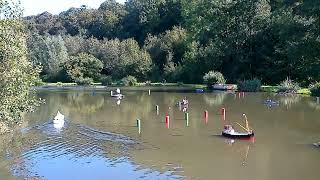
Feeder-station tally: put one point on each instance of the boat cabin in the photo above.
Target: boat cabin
(228, 128)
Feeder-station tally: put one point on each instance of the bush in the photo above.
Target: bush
(84, 81)
(148, 83)
(289, 86)
(315, 90)
(106, 80)
(252, 85)
(39, 82)
(59, 84)
(129, 81)
(213, 77)
(180, 83)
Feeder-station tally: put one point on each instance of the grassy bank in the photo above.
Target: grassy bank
(271, 89)
(99, 86)
(304, 91)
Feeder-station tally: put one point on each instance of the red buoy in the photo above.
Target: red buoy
(223, 113)
(168, 121)
(206, 116)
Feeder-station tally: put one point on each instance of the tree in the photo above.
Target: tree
(17, 74)
(229, 27)
(151, 16)
(49, 52)
(122, 58)
(167, 51)
(83, 66)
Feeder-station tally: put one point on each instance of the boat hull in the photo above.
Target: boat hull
(238, 136)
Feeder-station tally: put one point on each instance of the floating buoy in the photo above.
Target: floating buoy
(223, 113)
(139, 125)
(149, 92)
(168, 121)
(206, 116)
(187, 122)
(318, 100)
(186, 116)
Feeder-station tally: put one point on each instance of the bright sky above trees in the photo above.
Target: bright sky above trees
(34, 7)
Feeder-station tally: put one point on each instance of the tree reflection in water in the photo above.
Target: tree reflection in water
(289, 100)
(215, 99)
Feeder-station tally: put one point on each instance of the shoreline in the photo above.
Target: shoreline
(142, 86)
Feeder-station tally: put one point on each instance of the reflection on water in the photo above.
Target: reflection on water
(214, 99)
(100, 139)
(289, 100)
(314, 105)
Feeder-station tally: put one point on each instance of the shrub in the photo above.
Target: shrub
(84, 81)
(180, 83)
(59, 84)
(213, 77)
(315, 90)
(252, 85)
(148, 83)
(106, 80)
(129, 81)
(289, 86)
(39, 82)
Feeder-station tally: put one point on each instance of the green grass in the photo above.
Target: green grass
(304, 91)
(269, 88)
(195, 86)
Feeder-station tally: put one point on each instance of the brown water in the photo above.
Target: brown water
(100, 141)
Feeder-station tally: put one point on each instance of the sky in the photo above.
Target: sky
(34, 7)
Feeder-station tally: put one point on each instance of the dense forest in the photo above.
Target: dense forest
(179, 41)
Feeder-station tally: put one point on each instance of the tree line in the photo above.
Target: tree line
(179, 41)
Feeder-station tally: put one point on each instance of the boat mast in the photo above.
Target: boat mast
(247, 123)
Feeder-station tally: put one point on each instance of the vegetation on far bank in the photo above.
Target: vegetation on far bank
(178, 41)
(270, 89)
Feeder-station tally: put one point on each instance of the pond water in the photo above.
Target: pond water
(100, 139)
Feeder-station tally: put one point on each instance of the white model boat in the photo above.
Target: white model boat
(58, 121)
(117, 94)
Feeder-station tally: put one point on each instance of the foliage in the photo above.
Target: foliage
(167, 50)
(129, 81)
(84, 81)
(315, 90)
(17, 74)
(289, 85)
(181, 40)
(83, 67)
(213, 77)
(253, 85)
(106, 80)
(122, 58)
(49, 52)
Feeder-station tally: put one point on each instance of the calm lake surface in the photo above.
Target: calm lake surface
(100, 139)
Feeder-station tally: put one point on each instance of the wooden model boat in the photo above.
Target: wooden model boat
(229, 131)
